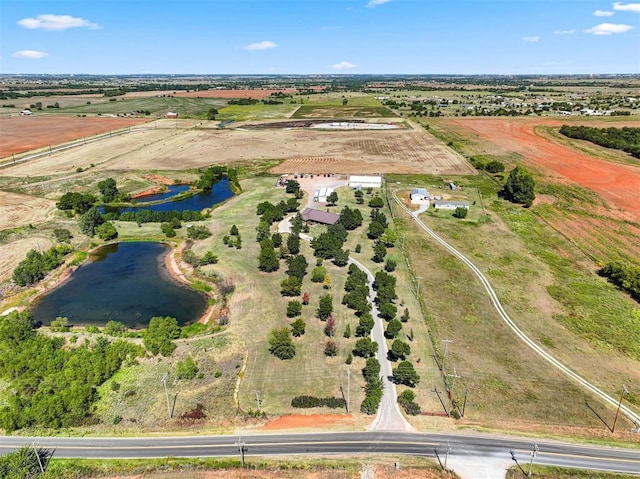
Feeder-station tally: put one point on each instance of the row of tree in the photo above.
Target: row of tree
(625, 276)
(37, 265)
(626, 138)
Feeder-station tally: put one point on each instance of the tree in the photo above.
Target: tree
(407, 400)
(325, 245)
(318, 274)
(267, 259)
(108, 190)
(365, 325)
(167, 229)
(371, 369)
(330, 326)
(281, 345)
(89, 221)
(494, 166)
(389, 237)
(292, 186)
(405, 374)
(62, 235)
(460, 212)
(294, 308)
(25, 462)
(376, 202)
(330, 348)
(114, 328)
(106, 231)
(325, 306)
(399, 350)
(347, 332)
(388, 311)
(350, 218)
(341, 257)
(298, 327)
(277, 240)
(186, 369)
(198, 232)
(211, 113)
(405, 315)
(376, 229)
(390, 265)
(379, 251)
(234, 231)
(519, 187)
(305, 298)
(332, 198)
(291, 286)
(365, 347)
(159, 336)
(262, 231)
(209, 258)
(293, 243)
(393, 328)
(60, 324)
(297, 266)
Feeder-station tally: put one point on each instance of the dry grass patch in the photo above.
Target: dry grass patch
(19, 210)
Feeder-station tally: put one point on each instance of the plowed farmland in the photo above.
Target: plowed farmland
(617, 183)
(19, 210)
(23, 133)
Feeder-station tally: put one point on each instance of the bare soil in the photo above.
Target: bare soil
(310, 421)
(618, 184)
(23, 133)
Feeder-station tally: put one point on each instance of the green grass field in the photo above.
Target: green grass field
(255, 112)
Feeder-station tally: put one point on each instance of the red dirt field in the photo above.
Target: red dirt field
(257, 94)
(308, 421)
(23, 133)
(618, 184)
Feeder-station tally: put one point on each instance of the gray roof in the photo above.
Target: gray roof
(318, 216)
(419, 191)
(437, 203)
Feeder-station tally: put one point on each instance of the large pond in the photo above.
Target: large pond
(125, 282)
(172, 190)
(220, 192)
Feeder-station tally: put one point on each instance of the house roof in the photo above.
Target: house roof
(437, 203)
(318, 216)
(419, 191)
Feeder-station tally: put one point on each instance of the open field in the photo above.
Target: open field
(24, 133)
(257, 94)
(618, 184)
(19, 210)
(177, 145)
(323, 111)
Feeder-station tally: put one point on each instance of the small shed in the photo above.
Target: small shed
(449, 204)
(365, 181)
(419, 196)
(309, 215)
(171, 114)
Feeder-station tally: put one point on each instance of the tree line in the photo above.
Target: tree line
(626, 139)
(624, 275)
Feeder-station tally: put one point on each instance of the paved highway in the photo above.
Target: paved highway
(351, 443)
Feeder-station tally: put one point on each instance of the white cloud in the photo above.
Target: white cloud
(34, 54)
(375, 3)
(343, 66)
(56, 22)
(608, 28)
(264, 45)
(533, 39)
(565, 32)
(603, 13)
(627, 7)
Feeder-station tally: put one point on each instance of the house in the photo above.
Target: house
(309, 215)
(365, 181)
(419, 196)
(171, 114)
(449, 204)
(321, 194)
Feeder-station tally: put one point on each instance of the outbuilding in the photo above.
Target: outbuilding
(449, 204)
(365, 181)
(320, 195)
(420, 196)
(171, 114)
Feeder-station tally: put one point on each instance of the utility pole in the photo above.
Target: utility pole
(533, 455)
(624, 391)
(348, 387)
(435, 390)
(258, 400)
(166, 393)
(453, 383)
(241, 449)
(35, 450)
(513, 458)
(445, 348)
(418, 285)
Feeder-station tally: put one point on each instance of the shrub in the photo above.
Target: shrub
(330, 348)
(186, 369)
(298, 327)
(281, 345)
(390, 265)
(307, 402)
(198, 232)
(294, 308)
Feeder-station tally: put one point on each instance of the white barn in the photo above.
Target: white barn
(365, 181)
(320, 195)
(420, 196)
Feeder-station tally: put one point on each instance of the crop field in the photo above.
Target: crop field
(19, 210)
(19, 134)
(324, 111)
(156, 105)
(178, 145)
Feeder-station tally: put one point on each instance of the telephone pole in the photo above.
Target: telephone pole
(445, 348)
(624, 391)
(453, 383)
(418, 285)
(533, 455)
(241, 449)
(166, 393)
(258, 400)
(348, 387)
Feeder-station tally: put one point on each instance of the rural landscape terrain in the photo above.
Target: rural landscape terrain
(381, 313)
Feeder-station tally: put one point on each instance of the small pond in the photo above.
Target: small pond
(220, 192)
(125, 282)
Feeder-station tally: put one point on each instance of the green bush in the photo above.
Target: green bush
(307, 402)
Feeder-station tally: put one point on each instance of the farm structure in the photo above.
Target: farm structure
(449, 204)
(320, 195)
(420, 196)
(309, 215)
(365, 181)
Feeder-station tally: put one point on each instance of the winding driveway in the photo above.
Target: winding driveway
(632, 415)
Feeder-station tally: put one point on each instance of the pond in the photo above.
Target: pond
(125, 282)
(220, 192)
(172, 190)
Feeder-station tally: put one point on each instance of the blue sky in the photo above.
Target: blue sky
(319, 36)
